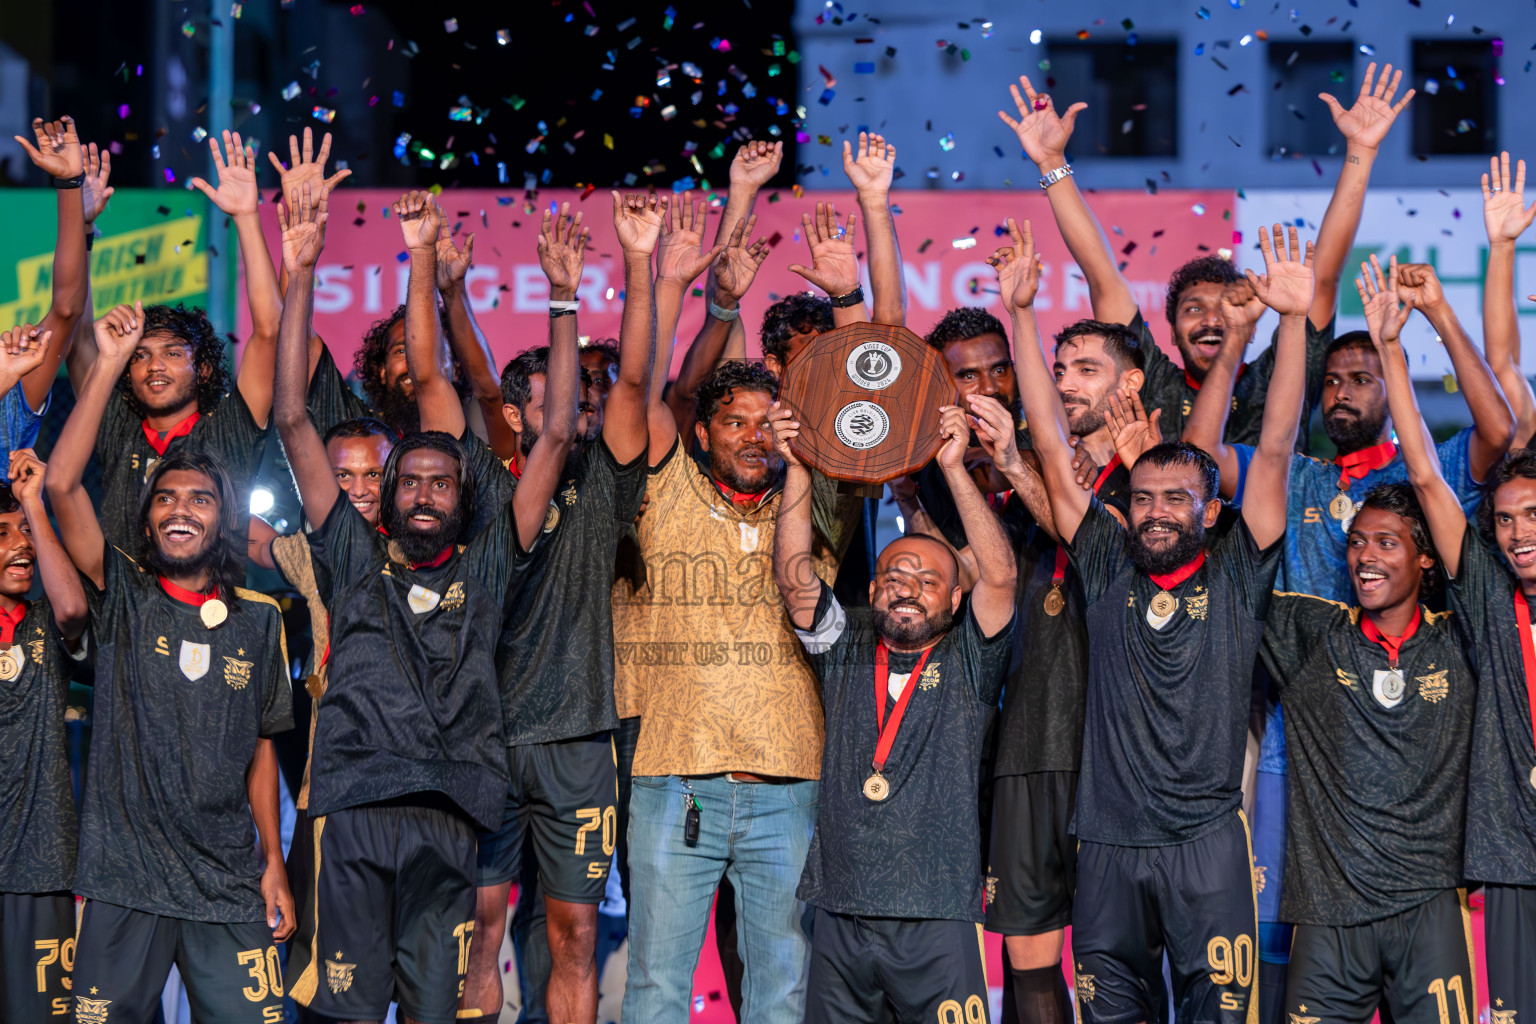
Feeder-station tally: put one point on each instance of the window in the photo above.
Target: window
(1299, 122)
(1132, 92)
(1457, 107)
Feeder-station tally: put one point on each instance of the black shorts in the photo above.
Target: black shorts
(1194, 900)
(926, 970)
(1033, 858)
(564, 794)
(391, 912)
(37, 953)
(1509, 929)
(231, 971)
(1418, 962)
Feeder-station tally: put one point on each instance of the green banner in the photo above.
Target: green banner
(153, 248)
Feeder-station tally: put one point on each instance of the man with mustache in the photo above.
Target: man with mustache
(1163, 862)
(407, 759)
(191, 681)
(894, 868)
(1378, 709)
(555, 656)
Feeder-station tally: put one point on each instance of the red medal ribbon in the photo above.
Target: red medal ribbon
(186, 596)
(1356, 465)
(181, 429)
(1393, 644)
(1061, 552)
(882, 690)
(9, 620)
(517, 474)
(739, 498)
(442, 556)
(1527, 652)
(1169, 580)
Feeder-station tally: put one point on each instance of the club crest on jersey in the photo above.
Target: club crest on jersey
(237, 673)
(929, 679)
(453, 600)
(1084, 984)
(338, 975)
(10, 662)
(1387, 687)
(569, 494)
(1502, 1016)
(421, 599)
(1298, 1019)
(90, 1011)
(194, 660)
(1434, 686)
(1199, 604)
(35, 649)
(1260, 871)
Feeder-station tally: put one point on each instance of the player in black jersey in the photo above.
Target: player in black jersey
(191, 681)
(37, 799)
(1164, 861)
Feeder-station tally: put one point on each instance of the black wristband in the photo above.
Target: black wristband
(561, 312)
(75, 182)
(853, 298)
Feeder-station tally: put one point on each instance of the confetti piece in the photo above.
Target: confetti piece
(1449, 382)
(325, 114)
(826, 97)
(1203, 14)
(199, 134)
(451, 25)
(947, 143)
(963, 243)
(170, 176)
(236, 9)
(503, 36)
(1431, 86)
(122, 112)
(1034, 37)
(863, 67)
(826, 76)
(1198, 209)
(1367, 49)
(924, 247)
(1082, 33)
(188, 29)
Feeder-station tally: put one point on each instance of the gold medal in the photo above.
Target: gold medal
(1533, 778)
(1054, 602)
(1163, 605)
(1341, 507)
(876, 788)
(10, 668)
(213, 612)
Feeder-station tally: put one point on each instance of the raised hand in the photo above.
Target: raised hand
(305, 165)
(26, 476)
(638, 219)
(21, 351)
(1286, 285)
(755, 164)
(1366, 123)
(1504, 212)
(679, 254)
(784, 427)
(738, 264)
(1241, 307)
(1417, 284)
(834, 268)
(57, 151)
(955, 428)
(237, 194)
(562, 243)
(1381, 297)
(303, 226)
(994, 430)
(1133, 430)
(118, 332)
(1041, 131)
(420, 220)
(873, 168)
(452, 262)
(95, 192)
(1018, 269)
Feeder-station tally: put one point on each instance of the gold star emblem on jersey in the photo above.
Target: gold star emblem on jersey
(929, 679)
(1084, 984)
(1434, 686)
(91, 1011)
(10, 662)
(338, 975)
(453, 599)
(1199, 605)
(1502, 1016)
(237, 673)
(421, 599)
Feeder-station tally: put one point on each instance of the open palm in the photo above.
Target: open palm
(1287, 282)
(562, 243)
(237, 194)
(1042, 132)
(1018, 272)
(57, 152)
(834, 267)
(452, 262)
(1504, 212)
(756, 163)
(738, 264)
(1366, 123)
(638, 219)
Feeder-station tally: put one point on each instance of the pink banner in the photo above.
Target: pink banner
(945, 238)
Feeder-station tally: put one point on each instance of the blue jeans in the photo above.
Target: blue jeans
(755, 833)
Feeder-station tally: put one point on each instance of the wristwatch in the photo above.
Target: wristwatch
(853, 298)
(1052, 177)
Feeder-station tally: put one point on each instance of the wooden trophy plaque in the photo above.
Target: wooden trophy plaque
(867, 397)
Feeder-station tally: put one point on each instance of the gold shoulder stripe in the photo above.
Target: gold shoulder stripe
(1311, 597)
(258, 597)
(131, 560)
(282, 634)
(1435, 617)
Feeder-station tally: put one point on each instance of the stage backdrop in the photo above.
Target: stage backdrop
(945, 238)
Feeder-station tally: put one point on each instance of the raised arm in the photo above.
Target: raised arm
(117, 336)
(80, 348)
(834, 266)
(793, 567)
(562, 245)
(637, 219)
(1493, 425)
(303, 227)
(871, 171)
(238, 197)
(1384, 318)
(468, 341)
(1286, 288)
(1206, 425)
(60, 581)
(1018, 279)
(58, 154)
(680, 259)
(993, 595)
(1506, 217)
(304, 165)
(1363, 126)
(426, 351)
(754, 166)
(1044, 136)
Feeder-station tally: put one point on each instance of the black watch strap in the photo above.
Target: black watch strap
(75, 182)
(853, 298)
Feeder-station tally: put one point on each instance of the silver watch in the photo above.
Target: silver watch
(1052, 177)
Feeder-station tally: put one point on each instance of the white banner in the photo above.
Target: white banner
(1443, 228)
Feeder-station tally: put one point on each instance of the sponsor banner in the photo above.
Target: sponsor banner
(1441, 227)
(363, 271)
